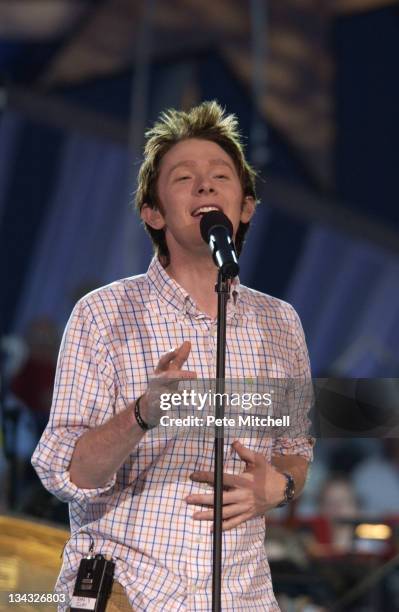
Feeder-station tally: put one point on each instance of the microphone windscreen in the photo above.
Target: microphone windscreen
(213, 219)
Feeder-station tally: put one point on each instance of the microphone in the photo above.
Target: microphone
(217, 230)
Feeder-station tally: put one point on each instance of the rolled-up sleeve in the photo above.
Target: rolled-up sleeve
(298, 442)
(84, 397)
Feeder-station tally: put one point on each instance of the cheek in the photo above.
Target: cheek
(172, 200)
(179, 192)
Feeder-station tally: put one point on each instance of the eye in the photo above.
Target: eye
(183, 178)
(222, 176)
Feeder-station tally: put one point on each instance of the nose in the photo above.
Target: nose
(204, 186)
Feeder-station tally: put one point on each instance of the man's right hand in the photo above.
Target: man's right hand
(118, 436)
(166, 378)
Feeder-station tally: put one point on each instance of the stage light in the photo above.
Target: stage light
(370, 531)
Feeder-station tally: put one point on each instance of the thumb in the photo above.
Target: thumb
(244, 453)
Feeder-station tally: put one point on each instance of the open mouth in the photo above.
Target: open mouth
(202, 210)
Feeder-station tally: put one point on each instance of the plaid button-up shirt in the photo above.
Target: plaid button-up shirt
(111, 345)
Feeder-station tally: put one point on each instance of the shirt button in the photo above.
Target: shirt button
(198, 540)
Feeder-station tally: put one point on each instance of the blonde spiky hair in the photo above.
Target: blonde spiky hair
(207, 121)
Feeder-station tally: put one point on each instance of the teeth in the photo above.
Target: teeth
(204, 209)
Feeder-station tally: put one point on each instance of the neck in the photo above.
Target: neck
(197, 275)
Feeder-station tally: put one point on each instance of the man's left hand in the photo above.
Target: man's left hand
(258, 489)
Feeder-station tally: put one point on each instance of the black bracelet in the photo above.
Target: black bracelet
(140, 421)
(289, 492)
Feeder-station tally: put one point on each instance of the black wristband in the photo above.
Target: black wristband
(140, 421)
(289, 492)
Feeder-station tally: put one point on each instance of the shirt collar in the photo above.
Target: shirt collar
(168, 291)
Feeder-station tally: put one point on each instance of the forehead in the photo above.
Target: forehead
(197, 151)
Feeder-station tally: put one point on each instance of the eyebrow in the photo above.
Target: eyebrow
(189, 163)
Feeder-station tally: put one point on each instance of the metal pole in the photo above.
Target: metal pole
(223, 290)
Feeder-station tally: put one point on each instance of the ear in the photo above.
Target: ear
(248, 209)
(152, 216)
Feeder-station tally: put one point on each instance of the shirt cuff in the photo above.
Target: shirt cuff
(294, 446)
(52, 459)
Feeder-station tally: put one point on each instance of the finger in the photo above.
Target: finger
(164, 361)
(176, 375)
(245, 453)
(229, 480)
(177, 355)
(235, 521)
(227, 512)
(202, 477)
(206, 499)
(234, 510)
(188, 375)
(201, 499)
(207, 515)
(181, 356)
(167, 382)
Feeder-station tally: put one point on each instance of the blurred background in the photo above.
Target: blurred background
(315, 88)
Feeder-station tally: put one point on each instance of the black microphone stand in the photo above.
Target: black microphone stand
(217, 231)
(222, 288)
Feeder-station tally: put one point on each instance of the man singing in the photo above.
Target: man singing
(143, 499)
